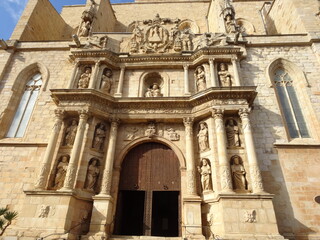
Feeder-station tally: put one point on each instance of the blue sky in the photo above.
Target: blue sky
(11, 10)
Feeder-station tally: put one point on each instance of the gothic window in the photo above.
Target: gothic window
(290, 106)
(26, 105)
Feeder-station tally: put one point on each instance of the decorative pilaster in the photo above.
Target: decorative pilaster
(235, 65)
(191, 174)
(256, 179)
(75, 153)
(214, 82)
(93, 79)
(109, 160)
(74, 73)
(120, 85)
(45, 165)
(186, 79)
(224, 165)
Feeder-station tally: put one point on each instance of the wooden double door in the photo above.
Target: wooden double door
(149, 192)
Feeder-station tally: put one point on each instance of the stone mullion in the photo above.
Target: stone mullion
(43, 176)
(224, 165)
(190, 160)
(75, 153)
(120, 85)
(186, 79)
(109, 159)
(256, 179)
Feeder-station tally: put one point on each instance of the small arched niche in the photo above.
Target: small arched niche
(247, 28)
(152, 84)
(188, 24)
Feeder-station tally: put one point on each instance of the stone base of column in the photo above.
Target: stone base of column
(118, 95)
(187, 94)
(242, 216)
(191, 218)
(101, 220)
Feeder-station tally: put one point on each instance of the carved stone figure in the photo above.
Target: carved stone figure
(205, 171)
(186, 40)
(232, 131)
(203, 137)
(92, 174)
(151, 130)
(200, 78)
(106, 81)
(85, 29)
(99, 42)
(85, 78)
(71, 132)
(61, 172)
(86, 21)
(230, 24)
(99, 137)
(238, 173)
(44, 211)
(210, 39)
(224, 76)
(250, 216)
(136, 38)
(173, 136)
(153, 91)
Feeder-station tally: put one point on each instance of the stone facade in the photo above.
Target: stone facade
(198, 77)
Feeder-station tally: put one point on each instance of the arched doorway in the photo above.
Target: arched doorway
(149, 192)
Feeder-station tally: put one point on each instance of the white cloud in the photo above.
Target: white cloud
(14, 7)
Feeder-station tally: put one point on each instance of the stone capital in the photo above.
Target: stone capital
(59, 114)
(83, 114)
(185, 66)
(244, 112)
(217, 113)
(188, 121)
(211, 61)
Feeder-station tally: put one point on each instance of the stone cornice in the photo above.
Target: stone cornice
(106, 105)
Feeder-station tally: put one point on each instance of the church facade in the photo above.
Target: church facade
(162, 119)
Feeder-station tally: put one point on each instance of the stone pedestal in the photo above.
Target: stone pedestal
(191, 218)
(243, 216)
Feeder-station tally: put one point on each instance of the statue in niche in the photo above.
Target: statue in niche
(85, 29)
(200, 77)
(61, 172)
(238, 173)
(205, 171)
(230, 24)
(232, 131)
(203, 137)
(224, 76)
(71, 132)
(173, 136)
(85, 78)
(92, 174)
(99, 137)
(153, 91)
(106, 81)
(151, 130)
(185, 37)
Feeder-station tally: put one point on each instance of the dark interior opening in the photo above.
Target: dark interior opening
(129, 220)
(165, 220)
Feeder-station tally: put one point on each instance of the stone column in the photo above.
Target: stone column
(224, 165)
(45, 165)
(109, 159)
(235, 65)
(73, 75)
(186, 80)
(75, 153)
(256, 179)
(213, 78)
(120, 85)
(191, 173)
(93, 79)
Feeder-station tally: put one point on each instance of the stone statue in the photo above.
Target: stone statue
(71, 132)
(85, 78)
(185, 37)
(61, 172)
(238, 173)
(92, 174)
(200, 77)
(224, 76)
(173, 136)
(153, 91)
(151, 130)
(230, 24)
(106, 81)
(232, 131)
(99, 137)
(85, 29)
(210, 39)
(205, 172)
(203, 137)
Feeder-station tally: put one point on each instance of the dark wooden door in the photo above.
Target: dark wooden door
(150, 168)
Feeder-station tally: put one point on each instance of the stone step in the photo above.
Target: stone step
(118, 237)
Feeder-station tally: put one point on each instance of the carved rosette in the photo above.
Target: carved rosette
(188, 123)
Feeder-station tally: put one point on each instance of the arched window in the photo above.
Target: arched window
(291, 109)
(26, 105)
